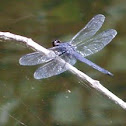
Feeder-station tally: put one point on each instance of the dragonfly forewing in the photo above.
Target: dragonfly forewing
(34, 59)
(38, 57)
(89, 30)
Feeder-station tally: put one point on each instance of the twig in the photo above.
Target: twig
(6, 37)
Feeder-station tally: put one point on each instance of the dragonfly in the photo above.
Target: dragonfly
(86, 42)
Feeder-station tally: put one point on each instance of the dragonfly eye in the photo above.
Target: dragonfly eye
(56, 42)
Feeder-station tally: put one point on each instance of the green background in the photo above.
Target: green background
(61, 100)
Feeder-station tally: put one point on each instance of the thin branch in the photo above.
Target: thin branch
(6, 37)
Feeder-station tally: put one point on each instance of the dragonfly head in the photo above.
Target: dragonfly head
(56, 43)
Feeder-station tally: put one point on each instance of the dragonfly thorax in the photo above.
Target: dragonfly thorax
(56, 43)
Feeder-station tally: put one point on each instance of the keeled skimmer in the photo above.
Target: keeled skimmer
(86, 42)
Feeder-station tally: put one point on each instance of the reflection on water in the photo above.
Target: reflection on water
(71, 112)
(60, 100)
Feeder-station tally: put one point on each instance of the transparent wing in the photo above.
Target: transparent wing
(89, 30)
(33, 59)
(37, 57)
(53, 67)
(96, 43)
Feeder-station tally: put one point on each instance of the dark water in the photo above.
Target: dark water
(61, 100)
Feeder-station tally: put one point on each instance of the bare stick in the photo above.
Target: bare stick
(6, 37)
